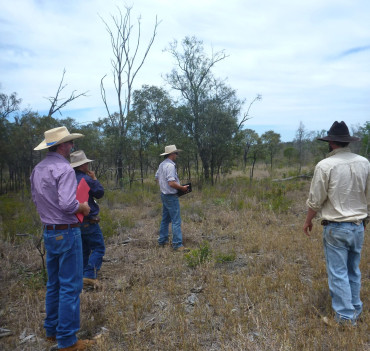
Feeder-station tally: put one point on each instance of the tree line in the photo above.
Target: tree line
(215, 147)
(206, 120)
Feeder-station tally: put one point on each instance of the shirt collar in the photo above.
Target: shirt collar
(170, 161)
(338, 151)
(55, 154)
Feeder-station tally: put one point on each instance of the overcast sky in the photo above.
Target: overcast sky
(309, 59)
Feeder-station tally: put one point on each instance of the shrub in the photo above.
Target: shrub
(198, 256)
(225, 257)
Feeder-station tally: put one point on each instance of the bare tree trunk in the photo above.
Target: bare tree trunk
(124, 72)
(252, 169)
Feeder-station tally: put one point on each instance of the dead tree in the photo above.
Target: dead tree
(246, 114)
(56, 101)
(126, 65)
(8, 104)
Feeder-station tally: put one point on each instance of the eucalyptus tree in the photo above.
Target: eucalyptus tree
(318, 149)
(271, 142)
(24, 133)
(364, 134)
(9, 104)
(291, 154)
(154, 108)
(193, 78)
(301, 140)
(220, 126)
(249, 138)
(152, 115)
(126, 63)
(255, 152)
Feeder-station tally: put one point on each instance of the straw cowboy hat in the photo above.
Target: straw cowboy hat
(339, 132)
(78, 158)
(170, 149)
(57, 136)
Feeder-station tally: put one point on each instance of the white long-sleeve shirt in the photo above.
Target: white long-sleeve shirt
(167, 173)
(340, 188)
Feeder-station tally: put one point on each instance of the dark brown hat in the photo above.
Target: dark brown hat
(339, 132)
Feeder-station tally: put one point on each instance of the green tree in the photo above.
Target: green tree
(249, 139)
(154, 108)
(300, 141)
(364, 135)
(192, 77)
(291, 154)
(217, 127)
(271, 142)
(318, 148)
(9, 104)
(256, 152)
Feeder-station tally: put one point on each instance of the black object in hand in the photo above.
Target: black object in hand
(180, 192)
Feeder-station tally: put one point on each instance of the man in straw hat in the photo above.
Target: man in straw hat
(53, 188)
(169, 184)
(340, 193)
(93, 247)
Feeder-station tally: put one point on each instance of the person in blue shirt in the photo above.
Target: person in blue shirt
(93, 246)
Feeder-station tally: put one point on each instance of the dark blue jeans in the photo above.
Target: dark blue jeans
(93, 249)
(64, 265)
(170, 213)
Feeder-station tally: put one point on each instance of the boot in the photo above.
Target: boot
(90, 283)
(80, 345)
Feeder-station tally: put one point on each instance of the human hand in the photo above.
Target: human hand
(307, 228)
(91, 174)
(84, 208)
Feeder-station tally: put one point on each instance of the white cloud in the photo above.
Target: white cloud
(290, 52)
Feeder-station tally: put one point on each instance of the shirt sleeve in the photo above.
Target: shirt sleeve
(67, 186)
(96, 189)
(170, 173)
(319, 189)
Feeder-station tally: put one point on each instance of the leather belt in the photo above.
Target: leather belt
(325, 222)
(61, 226)
(91, 221)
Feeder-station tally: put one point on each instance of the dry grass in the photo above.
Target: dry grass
(270, 297)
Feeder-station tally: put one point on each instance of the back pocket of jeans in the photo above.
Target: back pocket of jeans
(58, 242)
(337, 237)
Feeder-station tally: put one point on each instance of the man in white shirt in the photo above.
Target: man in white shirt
(169, 184)
(340, 195)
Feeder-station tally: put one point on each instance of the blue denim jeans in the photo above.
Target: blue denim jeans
(93, 249)
(170, 213)
(342, 245)
(64, 265)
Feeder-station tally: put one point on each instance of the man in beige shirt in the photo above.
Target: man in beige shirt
(340, 195)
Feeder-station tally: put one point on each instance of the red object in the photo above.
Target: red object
(82, 195)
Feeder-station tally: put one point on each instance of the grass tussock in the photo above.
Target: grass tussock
(252, 280)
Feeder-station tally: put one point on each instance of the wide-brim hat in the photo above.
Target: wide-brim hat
(170, 149)
(78, 158)
(57, 136)
(339, 132)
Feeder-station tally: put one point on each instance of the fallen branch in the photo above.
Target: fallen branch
(306, 176)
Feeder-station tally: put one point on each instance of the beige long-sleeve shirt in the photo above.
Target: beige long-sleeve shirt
(340, 188)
